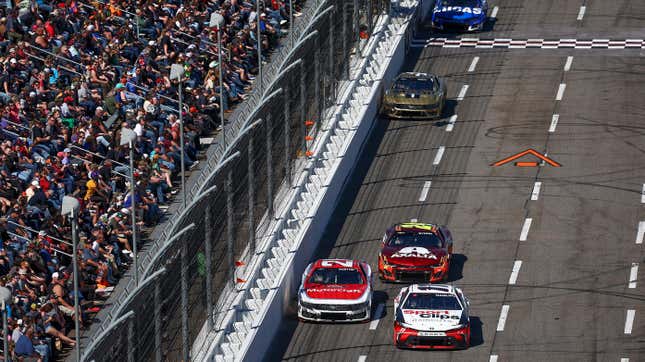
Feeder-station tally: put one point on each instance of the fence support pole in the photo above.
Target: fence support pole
(157, 316)
(332, 68)
(317, 67)
(251, 193)
(228, 189)
(131, 345)
(345, 69)
(185, 347)
(303, 109)
(357, 26)
(208, 237)
(287, 127)
(269, 147)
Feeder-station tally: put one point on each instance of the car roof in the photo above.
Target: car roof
(415, 75)
(415, 227)
(432, 288)
(336, 263)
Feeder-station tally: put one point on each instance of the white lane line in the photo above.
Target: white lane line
(536, 190)
(567, 65)
(424, 191)
(362, 358)
(629, 321)
(493, 358)
(453, 120)
(554, 122)
(472, 66)
(561, 89)
(525, 228)
(502, 318)
(439, 155)
(493, 15)
(414, 220)
(516, 271)
(581, 13)
(640, 233)
(462, 92)
(624, 360)
(643, 195)
(633, 275)
(378, 314)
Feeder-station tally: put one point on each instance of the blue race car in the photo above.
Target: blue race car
(459, 15)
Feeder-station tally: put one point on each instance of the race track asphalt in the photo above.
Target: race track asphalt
(571, 296)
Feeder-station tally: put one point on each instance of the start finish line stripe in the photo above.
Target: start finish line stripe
(530, 43)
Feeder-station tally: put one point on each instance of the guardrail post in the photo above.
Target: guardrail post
(157, 317)
(228, 189)
(287, 127)
(208, 239)
(251, 192)
(269, 147)
(185, 346)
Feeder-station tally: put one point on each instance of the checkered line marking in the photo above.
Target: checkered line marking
(530, 43)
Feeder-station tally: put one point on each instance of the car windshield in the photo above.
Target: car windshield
(336, 276)
(425, 239)
(432, 301)
(413, 84)
(465, 3)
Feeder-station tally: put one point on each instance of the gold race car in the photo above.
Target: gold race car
(414, 95)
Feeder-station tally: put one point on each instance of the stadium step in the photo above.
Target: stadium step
(289, 233)
(241, 327)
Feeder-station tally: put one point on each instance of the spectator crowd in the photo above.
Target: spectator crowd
(72, 75)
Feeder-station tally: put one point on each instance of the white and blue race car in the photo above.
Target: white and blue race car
(459, 15)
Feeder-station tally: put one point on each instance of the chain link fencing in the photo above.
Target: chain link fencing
(196, 259)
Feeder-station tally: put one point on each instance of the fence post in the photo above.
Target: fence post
(251, 193)
(208, 237)
(345, 69)
(370, 15)
(228, 189)
(332, 68)
(287, 126)
(357, 26)
(317, 79)
(131, 345)
(303, 112)
(185, 348)
(157, 317)
(269, 146)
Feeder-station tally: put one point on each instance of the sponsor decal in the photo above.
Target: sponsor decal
(334, 290)
(414, 252)
(459, 9)
(337, 262)
(431, 314)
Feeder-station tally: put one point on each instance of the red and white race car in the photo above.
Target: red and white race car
(431, 316)
(334, 290)
(415, 252)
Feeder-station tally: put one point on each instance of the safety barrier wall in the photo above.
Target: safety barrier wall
(257, 314)
(198, 257)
